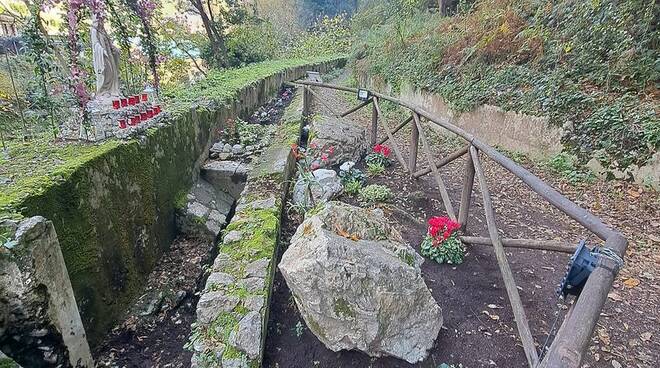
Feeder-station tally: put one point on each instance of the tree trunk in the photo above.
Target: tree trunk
(216, 39)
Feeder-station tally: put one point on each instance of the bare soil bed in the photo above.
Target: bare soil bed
(479, 329)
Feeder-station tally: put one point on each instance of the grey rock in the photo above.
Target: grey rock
(206, 211)
(248, 336)
(235, 363)
(255, 303)
(153, 302)
(325, 186)
(226, 148)
(228, 176)
(258, 268)
(366, 294)
(249, 148)
(347, 139)
(222, 260)
(237, 149)
(232, 237)
(212, 303)
(260, 204)
(253, 284)
(224, 156)
(217, 147)
(4, 180)
(219, 280)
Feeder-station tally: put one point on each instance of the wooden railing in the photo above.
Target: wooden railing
(573, 336)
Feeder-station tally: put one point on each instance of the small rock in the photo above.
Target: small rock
(211, 304)
(237, 149)
(325, 186)
(224, 156)
(232, 237)
(254, 303)
(221, 261)
(218, 279)
(226, 148)
(253, 284)
(258, 268)
(217, 147)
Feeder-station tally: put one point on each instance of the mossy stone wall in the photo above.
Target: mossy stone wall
(114, 215)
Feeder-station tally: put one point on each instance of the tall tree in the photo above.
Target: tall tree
(217, 16)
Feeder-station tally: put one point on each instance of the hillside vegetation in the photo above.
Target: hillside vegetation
(589, 66)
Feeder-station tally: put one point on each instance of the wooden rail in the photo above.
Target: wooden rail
(572, 339)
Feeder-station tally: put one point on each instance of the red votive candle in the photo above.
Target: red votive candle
(150, 113)
(131, 101)
(143, 116)
(122, 123)
(144, 97)
(124, 102)
(115, 104)
(158, 109)
(137, 99)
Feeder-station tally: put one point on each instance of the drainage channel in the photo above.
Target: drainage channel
(156, 329)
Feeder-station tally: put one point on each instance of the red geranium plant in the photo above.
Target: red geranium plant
(441, 243)
(378, 159)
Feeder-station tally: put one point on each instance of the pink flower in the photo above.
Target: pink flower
(315, 165)
(324, 157)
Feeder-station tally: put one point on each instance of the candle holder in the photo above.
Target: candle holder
(124, 102)
(116, 104)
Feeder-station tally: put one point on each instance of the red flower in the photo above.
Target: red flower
(444, 224)
(331, 150)
(324, 157)
(382, 149)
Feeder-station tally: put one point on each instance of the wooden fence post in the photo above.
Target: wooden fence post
(307, 102)
(468, 183)
(374, 123)
(414, 145)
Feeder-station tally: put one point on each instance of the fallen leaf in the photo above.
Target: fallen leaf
(631, 282)
(616, 364)
(603, 336)
(615, 296)
(494, 306)
(646, 336)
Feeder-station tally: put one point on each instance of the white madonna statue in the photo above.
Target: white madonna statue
(106, 62)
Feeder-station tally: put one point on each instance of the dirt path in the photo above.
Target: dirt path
(474, 334)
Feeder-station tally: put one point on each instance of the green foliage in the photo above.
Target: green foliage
(298, 329)
(451, 250)
(375, 193)
(566, 165)
(375, 168)
(353, 187)
(252, 43)
(329, 36)
(222, 86)
(591, 64)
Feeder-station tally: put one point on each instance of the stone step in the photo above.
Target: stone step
(228, 176)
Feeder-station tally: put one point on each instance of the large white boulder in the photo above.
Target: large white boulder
(359, 286)
(324, 186)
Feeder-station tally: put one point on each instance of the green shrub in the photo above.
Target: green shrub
(375, 193)
(593, 73)
(450, 251)
(252, 43)
(353, 187)
(328, 36)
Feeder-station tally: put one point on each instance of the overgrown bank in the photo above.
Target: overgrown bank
(590, 67)
(114, 209)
